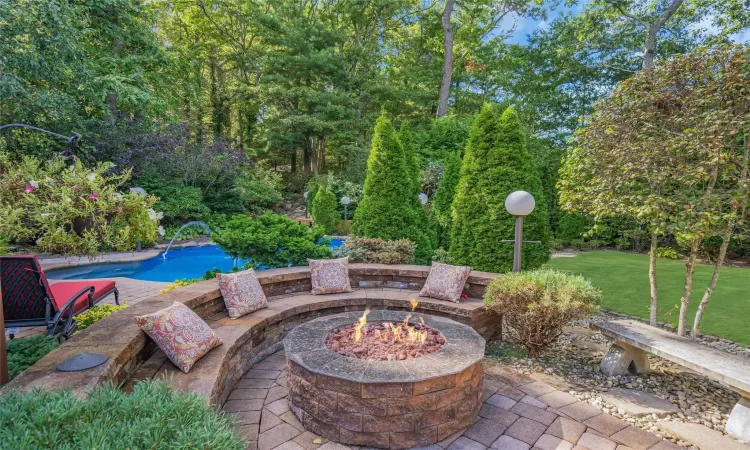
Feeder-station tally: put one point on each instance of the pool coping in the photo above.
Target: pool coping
(63, 262)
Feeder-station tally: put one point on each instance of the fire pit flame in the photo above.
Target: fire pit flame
(402, 332)
(360, 325)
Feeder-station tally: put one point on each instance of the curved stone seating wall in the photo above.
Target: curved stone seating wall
(246, 340)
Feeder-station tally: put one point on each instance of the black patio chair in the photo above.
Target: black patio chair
(30, 301)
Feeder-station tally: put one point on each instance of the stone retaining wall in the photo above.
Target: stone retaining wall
(128, 347)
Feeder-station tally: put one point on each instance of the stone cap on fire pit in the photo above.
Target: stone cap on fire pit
(305, 345)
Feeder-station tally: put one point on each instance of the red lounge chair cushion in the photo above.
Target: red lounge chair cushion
(64, 290)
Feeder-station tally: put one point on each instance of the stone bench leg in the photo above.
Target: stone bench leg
(738, 424)
(623, 359)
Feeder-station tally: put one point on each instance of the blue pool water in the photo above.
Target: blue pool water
(179, 264)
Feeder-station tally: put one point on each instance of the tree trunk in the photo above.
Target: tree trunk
(694, 248)
(112, 98)
(712, 284)
(293, 162)
(649, 50)
(445, 83)
(307, 157)
(652, 277)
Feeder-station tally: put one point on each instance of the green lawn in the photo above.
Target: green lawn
(623, 279)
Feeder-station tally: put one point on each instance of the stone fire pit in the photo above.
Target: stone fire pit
(386, 404)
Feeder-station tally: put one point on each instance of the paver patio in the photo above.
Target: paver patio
(519, 413)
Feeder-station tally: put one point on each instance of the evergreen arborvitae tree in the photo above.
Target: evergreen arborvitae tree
(496, 163)
(410, 153)
(386, 210)
(441, 203)
(324, 211)
(415, 174)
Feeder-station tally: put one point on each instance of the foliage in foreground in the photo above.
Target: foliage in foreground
(95, 314)
(377, 251)
(153, 416)
(272, 240)
(386, 211)
(24, 352)
(496, 163)
(538, 303)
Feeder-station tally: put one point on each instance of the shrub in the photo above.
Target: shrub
(571, 227)
(260, 189)
(378, 251)
(667, 253)
(153, 416)
(442, 256)
(71, 209)
(178, 203)
(495, 164)
(387, 210)
(24, 352)
(95, 314)
(324, 211)
(538, 303)
(272, 240)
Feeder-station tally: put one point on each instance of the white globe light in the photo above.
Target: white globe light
(423, 198)
(345, 200)
(520, 203)
(138, 190)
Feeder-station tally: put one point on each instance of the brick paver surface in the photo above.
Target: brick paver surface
(517, 414)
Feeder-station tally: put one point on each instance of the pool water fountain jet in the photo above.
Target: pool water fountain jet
(203, 225)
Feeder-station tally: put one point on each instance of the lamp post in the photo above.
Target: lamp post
(423, 198)
(345, 201)
(305, 195)
(519, 204)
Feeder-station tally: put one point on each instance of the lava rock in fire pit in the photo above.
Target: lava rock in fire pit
(385, 341)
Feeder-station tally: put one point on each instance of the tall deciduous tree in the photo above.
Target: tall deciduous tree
(685, 115)
(495, 164)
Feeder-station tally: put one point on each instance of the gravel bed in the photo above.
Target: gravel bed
(574, 359)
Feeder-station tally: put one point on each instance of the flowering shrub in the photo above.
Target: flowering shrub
(377, 251)
(67, 208)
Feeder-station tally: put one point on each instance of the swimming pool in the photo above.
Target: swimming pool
(183, 263)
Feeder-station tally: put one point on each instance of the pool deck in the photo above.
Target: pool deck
(61, 262)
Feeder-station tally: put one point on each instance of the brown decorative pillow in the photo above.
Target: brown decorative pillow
(242, 292)
(329, 276)
(445, 282)
(180, 333)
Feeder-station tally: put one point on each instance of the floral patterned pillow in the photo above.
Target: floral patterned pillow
(180, 333)
(445, 282)
(329, 276)
(242, 292)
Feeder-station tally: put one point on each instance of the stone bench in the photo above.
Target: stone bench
(628, 355)
(249, 339)
(133, 356)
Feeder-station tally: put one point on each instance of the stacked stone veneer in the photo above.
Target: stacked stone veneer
(249, 338)
(384, 404)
